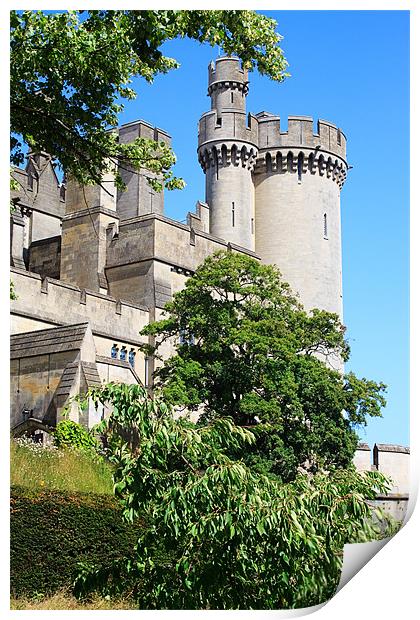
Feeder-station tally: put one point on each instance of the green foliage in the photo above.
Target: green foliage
(51, 531)
(231, 538)
(12, 291)
(251, 352)
(71, 434)
(70, 68)
(36, 467)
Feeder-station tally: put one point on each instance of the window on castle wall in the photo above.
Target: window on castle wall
(252, 225)
(123, 354)
(325, 226)
(146, 371)
(233, 214)
(231, 97)
(114, 352)
(132, 357)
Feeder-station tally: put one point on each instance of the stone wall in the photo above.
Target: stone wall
(84, 247)
(392, 461)
(362, 459)
(44, 257)
(46, 368)
(50, 303)
(152, 256)
(33, 382)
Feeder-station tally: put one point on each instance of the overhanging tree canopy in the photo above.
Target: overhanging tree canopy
(69, 70)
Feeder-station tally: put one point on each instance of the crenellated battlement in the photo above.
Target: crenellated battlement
(227, 69)
(300, 133)
(141, 129)
(235, 124)
(301, 160)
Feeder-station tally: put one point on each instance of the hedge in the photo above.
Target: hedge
(51, 531)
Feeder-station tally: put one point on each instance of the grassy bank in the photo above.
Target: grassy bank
(35, 467)
(64, 600)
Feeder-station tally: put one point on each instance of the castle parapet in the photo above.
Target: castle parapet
(300, 134)
(300, 148)
(232, 125)
(393, 461)
(227, 68)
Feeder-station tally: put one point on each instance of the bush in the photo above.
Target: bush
(51, 531)
(72, 434)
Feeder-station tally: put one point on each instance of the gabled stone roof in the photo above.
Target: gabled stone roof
(67, 379)
(90, 372)
(44, 341)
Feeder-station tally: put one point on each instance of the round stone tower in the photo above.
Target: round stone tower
(227, 151)
(298, 178)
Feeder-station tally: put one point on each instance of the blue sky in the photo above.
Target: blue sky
(352, 68)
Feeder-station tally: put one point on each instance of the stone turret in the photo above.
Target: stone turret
(298, 178)
(88, 224)
(139, 198)
(227, 151)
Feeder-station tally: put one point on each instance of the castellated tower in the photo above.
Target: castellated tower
(298, 178)
(272, 191)
(227, 150)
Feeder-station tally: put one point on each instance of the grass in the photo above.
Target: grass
(64, 600)
(35, 467)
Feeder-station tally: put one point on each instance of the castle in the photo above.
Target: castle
(92, 266)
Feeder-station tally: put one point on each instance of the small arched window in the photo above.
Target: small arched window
(131, 357)
(123, 354)
(146, 371)
(114, 351)
(325, 226)
(233, 214)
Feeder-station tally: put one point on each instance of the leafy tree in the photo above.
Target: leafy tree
(230, 538)
(70, 70)
(249, 351)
